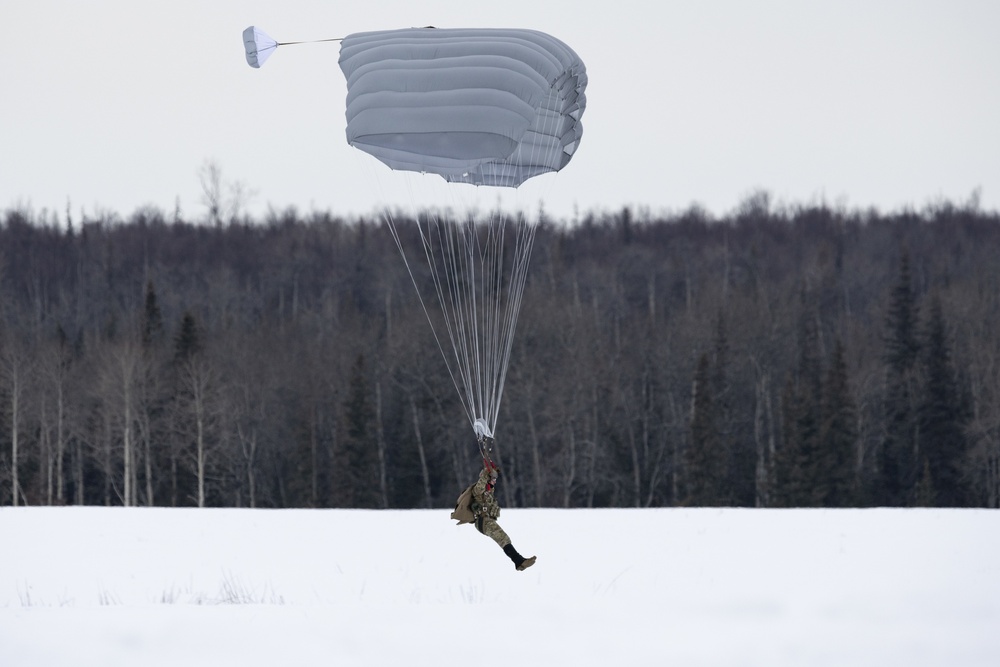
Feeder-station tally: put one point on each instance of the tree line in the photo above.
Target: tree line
(803, 356)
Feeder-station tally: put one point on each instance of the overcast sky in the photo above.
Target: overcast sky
(109, 105)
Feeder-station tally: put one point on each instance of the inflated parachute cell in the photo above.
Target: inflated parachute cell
(481, 106)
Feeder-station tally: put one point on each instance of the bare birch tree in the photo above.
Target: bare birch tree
(14, 373)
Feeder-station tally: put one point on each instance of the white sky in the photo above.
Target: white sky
(110, 105)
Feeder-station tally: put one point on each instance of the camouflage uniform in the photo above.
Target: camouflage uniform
(487, 510)
(477, 505)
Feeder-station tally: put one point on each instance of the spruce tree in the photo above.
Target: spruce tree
(734, 487)
(359, 445)
(942, 417)
(187, 342)
(838, 436)
(706, 467)
(926, 495)
(801, 466)
(897, 464)
(185, 404)
(152, 320)
(785, 465)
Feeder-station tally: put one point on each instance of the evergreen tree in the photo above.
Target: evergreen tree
(801, 465)
(942, 417)
(184, 482)
(838, 436)
(187, 342)
(706, 468)
(360, 446)
(786, 454)
(897, 464)
(926, 496)
(152, 320)
(720, 367)
(722, 400)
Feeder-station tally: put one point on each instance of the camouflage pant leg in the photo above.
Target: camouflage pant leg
(491, 529)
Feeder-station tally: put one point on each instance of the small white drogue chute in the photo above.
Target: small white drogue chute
(259, 46)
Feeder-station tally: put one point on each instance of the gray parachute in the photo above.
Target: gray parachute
(482, 106)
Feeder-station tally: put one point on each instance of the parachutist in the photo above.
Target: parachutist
(479, 506)
(484, 106)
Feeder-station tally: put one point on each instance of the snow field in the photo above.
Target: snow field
(155, 586)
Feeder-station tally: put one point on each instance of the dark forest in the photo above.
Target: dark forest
(774, 357)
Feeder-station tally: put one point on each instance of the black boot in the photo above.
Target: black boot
(520, 562)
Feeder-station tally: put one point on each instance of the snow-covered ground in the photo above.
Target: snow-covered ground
(114, 586)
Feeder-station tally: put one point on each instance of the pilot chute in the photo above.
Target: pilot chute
(258, 45)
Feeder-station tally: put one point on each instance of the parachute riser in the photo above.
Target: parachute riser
(313, 41)
(486, 450)
(484, 438)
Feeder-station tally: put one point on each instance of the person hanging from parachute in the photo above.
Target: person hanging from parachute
(480, 107)
(478, 505)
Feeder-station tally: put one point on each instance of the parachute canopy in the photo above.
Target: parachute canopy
(482, 106)
(259, 46)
